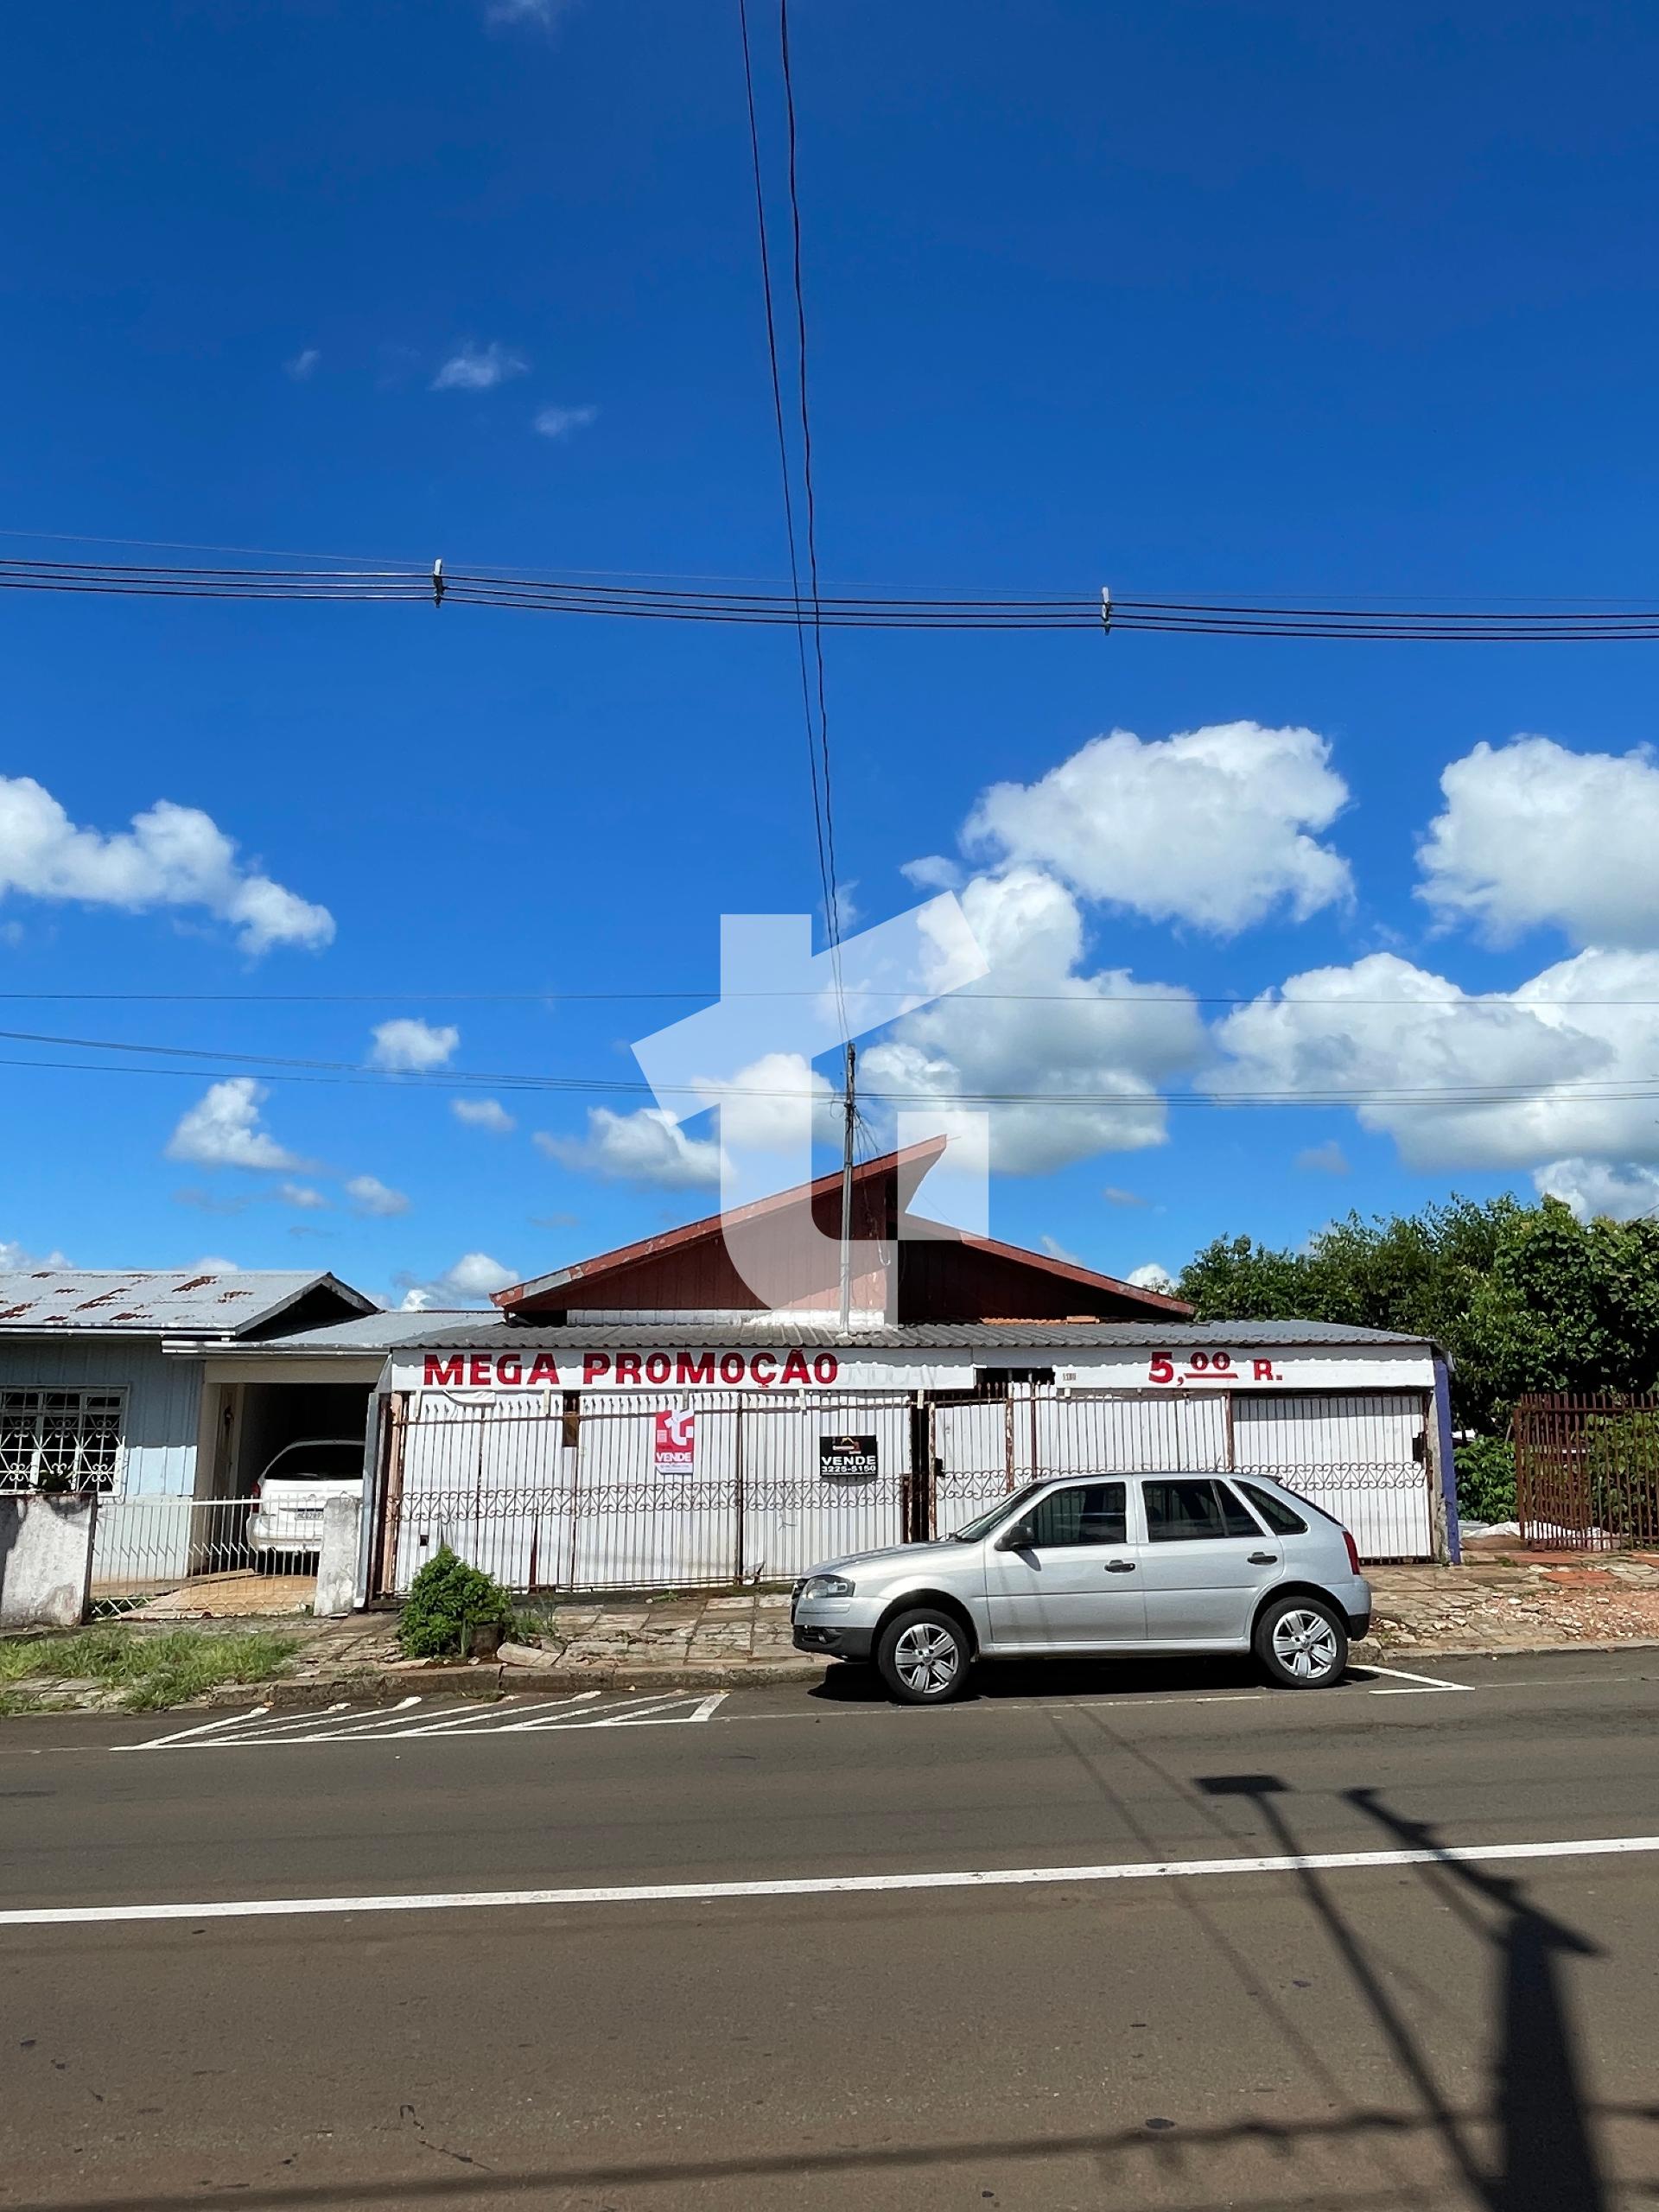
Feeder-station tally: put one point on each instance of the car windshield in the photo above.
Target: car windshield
(982, 1524)
(324, 1458)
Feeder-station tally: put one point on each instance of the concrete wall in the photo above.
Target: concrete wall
(45, 1560)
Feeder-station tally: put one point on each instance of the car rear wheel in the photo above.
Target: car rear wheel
(1302, 1643)
(924, 1657)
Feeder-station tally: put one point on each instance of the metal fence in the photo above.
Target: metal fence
(546, 1493)
(145, 1544)
(1586, 1472)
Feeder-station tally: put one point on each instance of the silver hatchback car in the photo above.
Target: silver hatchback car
(1116, 1564)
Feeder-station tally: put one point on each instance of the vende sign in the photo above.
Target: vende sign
(629, 1370)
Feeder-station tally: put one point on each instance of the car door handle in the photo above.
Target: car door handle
(1264, 1558)
(1119, 1566)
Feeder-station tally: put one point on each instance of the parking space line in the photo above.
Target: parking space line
(184, 1735)
(1425, 1682)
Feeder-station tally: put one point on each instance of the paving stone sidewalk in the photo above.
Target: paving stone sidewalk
(729, 1639)
(1491, 1605)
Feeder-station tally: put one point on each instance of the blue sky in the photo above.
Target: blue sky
(1220, 298)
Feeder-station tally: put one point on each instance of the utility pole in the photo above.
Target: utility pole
(846, 1105)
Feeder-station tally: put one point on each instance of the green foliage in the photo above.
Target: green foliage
(1622, 1454)
(1485, 1472)
(1523, 1298)
(152, 1668)
(446, 1598)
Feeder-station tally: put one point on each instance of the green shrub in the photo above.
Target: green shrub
(1485, 1472)
(446, 1598)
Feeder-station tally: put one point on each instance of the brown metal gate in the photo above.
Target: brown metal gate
(1586, 1472)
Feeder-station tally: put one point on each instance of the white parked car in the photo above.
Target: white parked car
(289, 1498)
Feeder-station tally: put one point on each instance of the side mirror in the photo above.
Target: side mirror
(1017, 1538)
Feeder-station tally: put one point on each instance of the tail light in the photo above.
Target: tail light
(255, 1494)
(1353, 1550)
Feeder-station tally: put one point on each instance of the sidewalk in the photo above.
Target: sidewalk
(703, 1641)
(728, 1640)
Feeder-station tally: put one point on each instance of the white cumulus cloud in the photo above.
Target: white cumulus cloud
(1594, 1186)
(1150, 1275)
(297, 1194)
(1077, 1056)
(303, 366)
(1212, 826)
(479, 368)
(641, 1148)
(171, 856)
(411, 1044)
(1532, 833)
(224, 1128)
(483, 1114)
(15, 1259)
(1558, 1071)
(560, 422)
(368, 1195)
(472, 1280)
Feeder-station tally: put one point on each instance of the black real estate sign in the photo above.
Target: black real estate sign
(844, 1456)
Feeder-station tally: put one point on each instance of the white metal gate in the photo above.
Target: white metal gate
(601, 1497)
(1361, 1456)
(546, 1494)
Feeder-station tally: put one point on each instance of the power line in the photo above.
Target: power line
(1150, 1000)
(825, 871)
(1608, 622)
(832, 909)
(280, 1068)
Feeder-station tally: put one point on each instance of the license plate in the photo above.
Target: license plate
(305, 1513)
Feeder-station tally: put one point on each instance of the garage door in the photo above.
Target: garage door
(1363, 1458)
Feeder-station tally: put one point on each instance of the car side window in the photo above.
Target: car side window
(1236, 1521)
(1274, 1510)
(1092, 1513)
(1185, 1512)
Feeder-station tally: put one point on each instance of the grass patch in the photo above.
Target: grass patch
(150, 1670)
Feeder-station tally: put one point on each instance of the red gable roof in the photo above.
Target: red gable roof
(934, 1273)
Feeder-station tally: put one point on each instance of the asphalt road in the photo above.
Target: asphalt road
(1403, 2029)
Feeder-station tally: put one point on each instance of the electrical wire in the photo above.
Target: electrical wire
(825, 872)
(206, 1059)
(832, 896)
(1609, 622)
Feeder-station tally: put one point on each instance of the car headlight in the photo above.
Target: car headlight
(827, 1586)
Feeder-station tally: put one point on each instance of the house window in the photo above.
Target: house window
(60, 1439)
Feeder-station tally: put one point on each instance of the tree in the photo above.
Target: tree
(1521, 1298)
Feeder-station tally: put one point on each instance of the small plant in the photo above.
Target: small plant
(446, 1598)
(1485, 1472)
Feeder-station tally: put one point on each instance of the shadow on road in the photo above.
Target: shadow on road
(1546, 2159)
(993, 1679)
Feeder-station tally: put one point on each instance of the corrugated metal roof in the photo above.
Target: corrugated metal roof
(153, 1301)
(987, 1338)
(385, 1331)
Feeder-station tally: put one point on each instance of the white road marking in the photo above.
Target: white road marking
(206, 1728)
(1155, 1870)
(402, 1722)
(304, 1724)
(1427, 1681)
(504, 1716)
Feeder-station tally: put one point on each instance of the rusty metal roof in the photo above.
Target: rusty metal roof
(158, 1301)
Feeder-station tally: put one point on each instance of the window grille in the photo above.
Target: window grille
(60, 1439)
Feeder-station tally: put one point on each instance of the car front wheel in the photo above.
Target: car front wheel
(1302, 1643)
(924, 1657)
